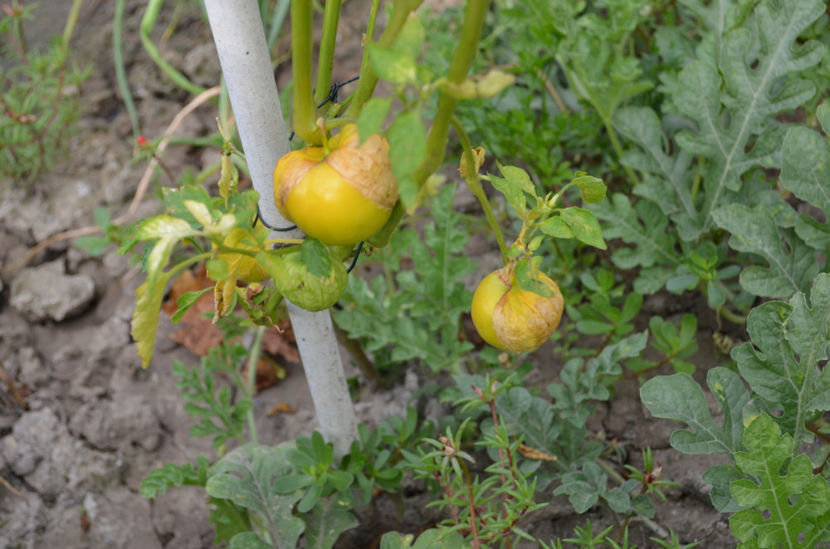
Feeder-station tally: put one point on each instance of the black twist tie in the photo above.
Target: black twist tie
(332, 96)
(355, 258)
(259, 217)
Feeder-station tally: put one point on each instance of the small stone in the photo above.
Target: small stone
(46, 292)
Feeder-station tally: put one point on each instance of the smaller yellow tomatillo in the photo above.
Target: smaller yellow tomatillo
(339, 194)
(513, 319)
(245, 267)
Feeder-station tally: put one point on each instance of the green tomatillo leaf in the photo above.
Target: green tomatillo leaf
(584, 225)
(527, 276)
(407, 148)
(556, 227)
(315, 257)
(393, 64)
(372, 116)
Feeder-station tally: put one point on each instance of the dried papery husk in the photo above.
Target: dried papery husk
(366, 167)
(524, 320)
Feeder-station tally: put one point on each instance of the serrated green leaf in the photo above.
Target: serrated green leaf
(806, 172)
(372, 116)
(792, 265)
(584, 225)
(159, 480)
(792, 340)
(749, 86)
(246, 477)
(329, 519)
(680, 398)
(720, 477)
(787, 503)
(666, 180)
(643, 225)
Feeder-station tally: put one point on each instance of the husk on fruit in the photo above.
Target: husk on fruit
(513, 319)
(340, 194)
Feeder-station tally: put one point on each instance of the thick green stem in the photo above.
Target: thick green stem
(474, 184)
(250, 381)
(368, 78)
(305, 114)
(462, 60)
(325, 61)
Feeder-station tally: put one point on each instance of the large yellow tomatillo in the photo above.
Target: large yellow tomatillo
(511, 318)
(340, 194)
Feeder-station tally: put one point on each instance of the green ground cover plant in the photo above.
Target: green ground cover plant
(624, 148)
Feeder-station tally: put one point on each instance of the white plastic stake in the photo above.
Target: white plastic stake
(246, 65)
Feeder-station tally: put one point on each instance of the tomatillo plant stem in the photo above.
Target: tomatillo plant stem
(325, 61)
(462, 60)
(305, 114)
(474, 183)
(368, 79)
(246, 63)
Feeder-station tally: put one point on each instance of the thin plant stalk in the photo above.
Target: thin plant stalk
(120, 72)
(368, 79)
(325, 61)
(148, 22)
(474, 184)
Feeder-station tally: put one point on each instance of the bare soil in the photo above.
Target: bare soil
(92, 423)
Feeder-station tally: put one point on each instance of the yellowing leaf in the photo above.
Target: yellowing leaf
(162, 226)
(223, 297)
(145, 318)
(199, 211)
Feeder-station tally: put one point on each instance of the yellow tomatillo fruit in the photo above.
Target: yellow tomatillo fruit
(339, 194)
(513, 319)
(246, 267)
